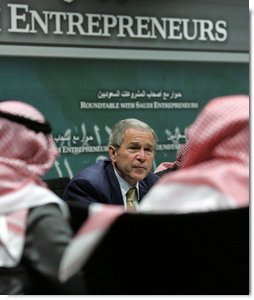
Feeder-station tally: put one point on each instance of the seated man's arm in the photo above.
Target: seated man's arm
(82, 190)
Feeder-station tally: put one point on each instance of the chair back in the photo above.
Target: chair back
(173, 254)
(57, 185)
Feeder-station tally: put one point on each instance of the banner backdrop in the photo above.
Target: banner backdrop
(83, 99)
(162, 24)
(87, 64)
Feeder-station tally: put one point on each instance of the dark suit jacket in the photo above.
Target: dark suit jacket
(98, 183)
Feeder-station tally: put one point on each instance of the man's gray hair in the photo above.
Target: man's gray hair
(118, 131)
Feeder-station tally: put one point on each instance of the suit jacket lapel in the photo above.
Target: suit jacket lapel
(116, 194)
(143, 189)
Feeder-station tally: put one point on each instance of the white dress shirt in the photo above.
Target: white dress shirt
(125, 186)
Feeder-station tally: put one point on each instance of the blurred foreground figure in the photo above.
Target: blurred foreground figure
(167, 167)
(214, 173)
(33, 228)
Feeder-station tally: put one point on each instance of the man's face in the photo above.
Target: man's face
(133, 160)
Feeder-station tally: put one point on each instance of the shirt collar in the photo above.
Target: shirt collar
(124, 185)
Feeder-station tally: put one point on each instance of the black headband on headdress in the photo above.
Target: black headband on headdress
(31, 124)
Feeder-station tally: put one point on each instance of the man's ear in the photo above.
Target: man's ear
(112, 153)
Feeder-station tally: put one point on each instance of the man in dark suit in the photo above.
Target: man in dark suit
(132, 146)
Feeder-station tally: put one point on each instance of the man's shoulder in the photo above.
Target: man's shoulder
(99, 176)
(97, 169)
(147, 183)
(151, 178)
